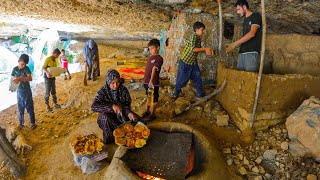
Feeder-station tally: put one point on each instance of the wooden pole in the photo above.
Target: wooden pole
(221, 29)
(215, 92)
(253, 116)
(206, 98)
(85, 74)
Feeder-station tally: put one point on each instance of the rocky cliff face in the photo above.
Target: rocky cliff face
(287, 16)
(142, 19)
(102, 19)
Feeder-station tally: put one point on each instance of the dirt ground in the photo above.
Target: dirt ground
(51, 158)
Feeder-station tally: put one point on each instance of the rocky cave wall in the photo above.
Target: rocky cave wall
(283, 17)
(106, 19)
(180, 33)
(143, 19)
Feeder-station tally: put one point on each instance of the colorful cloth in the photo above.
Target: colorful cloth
(16, 72)
(103, 101)
(188, 56)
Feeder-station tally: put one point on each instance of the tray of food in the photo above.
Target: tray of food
(86, 145)
(132, 134)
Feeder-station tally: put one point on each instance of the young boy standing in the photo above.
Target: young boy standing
(64, 63)
(50, 82)
(188, 68)
(22, 74)
(151, 78)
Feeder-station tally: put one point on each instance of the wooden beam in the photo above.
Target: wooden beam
(255, 104)
(215, 92)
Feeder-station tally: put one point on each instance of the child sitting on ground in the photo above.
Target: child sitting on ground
(151, 78)
(64, 63)
(22, 74)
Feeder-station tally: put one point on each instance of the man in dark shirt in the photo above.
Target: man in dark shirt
(250, 42)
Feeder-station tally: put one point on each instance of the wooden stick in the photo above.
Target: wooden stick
(215, 92)
(253, 116)
(85, 74)
(221, 29)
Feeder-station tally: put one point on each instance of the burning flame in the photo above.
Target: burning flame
(147, 176)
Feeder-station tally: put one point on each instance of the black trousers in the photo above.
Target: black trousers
(50, 85)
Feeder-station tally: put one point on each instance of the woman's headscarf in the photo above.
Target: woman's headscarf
(90, 49)
(106, 97)
(120, 96)
(111, 75)
(91, 44)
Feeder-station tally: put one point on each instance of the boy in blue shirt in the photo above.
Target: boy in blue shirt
(22, 75)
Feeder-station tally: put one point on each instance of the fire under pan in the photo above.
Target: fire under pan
(165, 155)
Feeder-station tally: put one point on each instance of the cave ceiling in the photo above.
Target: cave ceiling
(140, 19)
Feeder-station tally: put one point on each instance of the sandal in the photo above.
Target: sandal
(145, 115)
(174, 98)
(57, 106)
(151, 118)
(33, 126)
(49, 109)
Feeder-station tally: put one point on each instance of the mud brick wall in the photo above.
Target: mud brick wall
(180, 32)
(294, 54)
(280, 95)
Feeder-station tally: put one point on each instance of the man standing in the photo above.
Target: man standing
(91, 56)
(50, 82)
(250, 42)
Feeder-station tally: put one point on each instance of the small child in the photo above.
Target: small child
(22, 74)
(151, 77)
(188, 68)
(64, 63)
